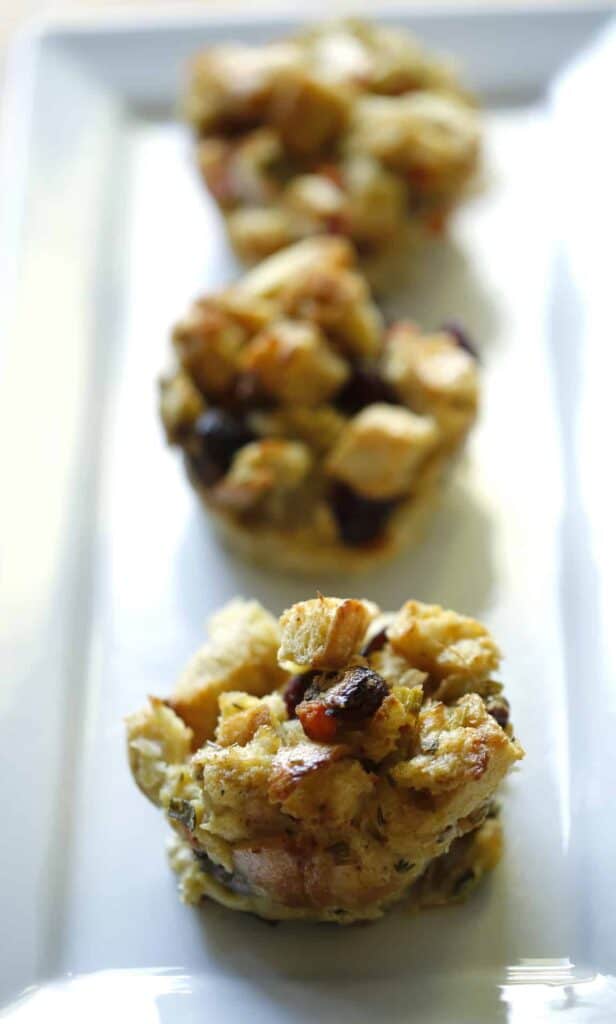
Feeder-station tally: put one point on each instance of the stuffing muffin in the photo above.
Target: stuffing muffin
(329, 764)
(347, 129)
(317, 438)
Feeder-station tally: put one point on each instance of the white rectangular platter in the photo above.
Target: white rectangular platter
(109, 569)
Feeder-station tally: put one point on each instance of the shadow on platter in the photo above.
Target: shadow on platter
(369, 969)
(451, 566)
(437, 284)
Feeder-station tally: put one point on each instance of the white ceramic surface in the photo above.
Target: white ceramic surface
(109, 570)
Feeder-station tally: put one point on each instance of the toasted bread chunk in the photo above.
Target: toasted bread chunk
(258, 232)
(241, 716)
(323, 633)
(434, 375)
(208, 343)
(376, 199)
(379, 450)
(377, 59)
(395, 669)
(239, 655)
(281, 270)
(156, 737)
(294, 363)
(180, 405)
(333, 793)
(264, 470)
(340, 301)
(315, 198)
(232, 85)
(241, 172)
(308, 112)
(443, 643)
(432, 137)
(456, 745)
(317, 426)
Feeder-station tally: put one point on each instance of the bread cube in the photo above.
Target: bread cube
(457, 746)
(293, 363)
(240, 655)
(434, 375)
(429, 136)
(156, 738)
(315, 199)
(271, 467)
(309, 112)
(339, 300)
(323, 633)
(257, 232)
(380, 449)
(281, 270)
(180, 405)
(241, 172)
(376, 199)
(317, 426)
(442, 642)
(208, 342)
(232, 85)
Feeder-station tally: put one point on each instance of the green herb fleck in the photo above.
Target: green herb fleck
(402, 866)
(184, 812)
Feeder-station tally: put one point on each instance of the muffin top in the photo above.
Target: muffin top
(296, 407)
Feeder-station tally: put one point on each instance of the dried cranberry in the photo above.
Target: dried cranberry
(360, 520)
(183, 812)
(336, 699)
(357, 695)
(462, 339)
(295, 690)
(364, 387)
(498, 707)
(218, 436)
(377, 643)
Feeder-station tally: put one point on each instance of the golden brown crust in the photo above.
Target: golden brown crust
(293, 363)
(323, 633)
(315, 549)
(380, 450)
(239, 655)
(434, 377)
(442, 642)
